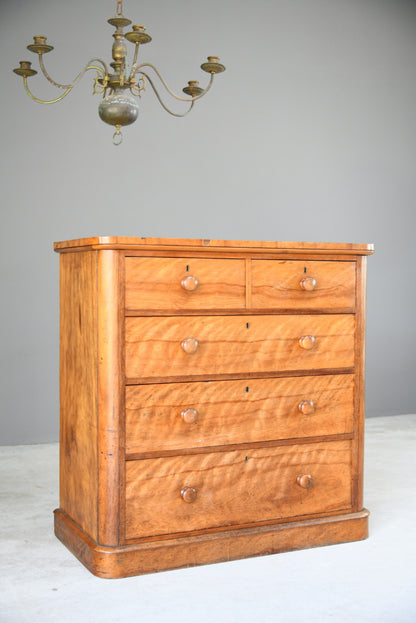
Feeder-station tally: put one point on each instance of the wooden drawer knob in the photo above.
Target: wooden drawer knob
(304, 480)
(189, 495)
(190, 346)
(308, 284)
(306, 407)
(189, 283)
(189, 416)
(307, 342)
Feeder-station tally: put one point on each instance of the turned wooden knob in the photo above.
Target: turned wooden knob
(189, 494)
(307, 342)
(304, 480)
(189, 416)
(190, 346)
(308, 283)
(306, 407)
(189, 283)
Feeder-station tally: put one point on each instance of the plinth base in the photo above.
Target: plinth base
(202, 549)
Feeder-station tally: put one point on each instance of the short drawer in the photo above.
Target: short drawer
(194, 492)
(282, 284)
(214, 345)
(190, 415)
(184, 283)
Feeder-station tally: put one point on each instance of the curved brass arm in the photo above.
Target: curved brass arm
(67, 87)
(103, 72)
(160, 99)
(178, 97)
(36, 99)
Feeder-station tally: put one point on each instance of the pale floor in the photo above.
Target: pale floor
(368, 581)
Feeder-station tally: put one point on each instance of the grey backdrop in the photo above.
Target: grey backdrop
(309, 135)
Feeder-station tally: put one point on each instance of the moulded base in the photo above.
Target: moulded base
(175, 553)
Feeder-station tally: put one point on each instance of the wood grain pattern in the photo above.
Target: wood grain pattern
(230, 344)
(202, 549)
(277, 284)
(78, 389)
(235, 487)
(230, 412)
(156, 283)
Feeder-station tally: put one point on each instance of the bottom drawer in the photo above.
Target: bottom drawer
(194, 492)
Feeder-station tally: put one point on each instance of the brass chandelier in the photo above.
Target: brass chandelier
(121, 88)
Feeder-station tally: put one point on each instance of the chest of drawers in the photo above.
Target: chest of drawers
(211, 400)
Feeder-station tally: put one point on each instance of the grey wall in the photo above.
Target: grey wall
(309, 135)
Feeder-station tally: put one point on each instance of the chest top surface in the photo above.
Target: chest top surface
(137, 243)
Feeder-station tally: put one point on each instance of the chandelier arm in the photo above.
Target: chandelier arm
(181, 99)
(102, 70)
(68, 88)
(161, 101)
(36, 99)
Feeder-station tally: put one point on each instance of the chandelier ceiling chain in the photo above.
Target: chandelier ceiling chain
(122, 87)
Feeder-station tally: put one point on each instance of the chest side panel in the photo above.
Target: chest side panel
(78, 389)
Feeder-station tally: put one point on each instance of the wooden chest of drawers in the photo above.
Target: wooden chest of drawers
(211, 400)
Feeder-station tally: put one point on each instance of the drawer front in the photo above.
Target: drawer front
(213, 345)
(281, 284)
(184, 283)
(193, 492)
(189, 415)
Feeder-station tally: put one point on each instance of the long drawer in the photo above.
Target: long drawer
(192, 492)
(175, 416)
(212, 345)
